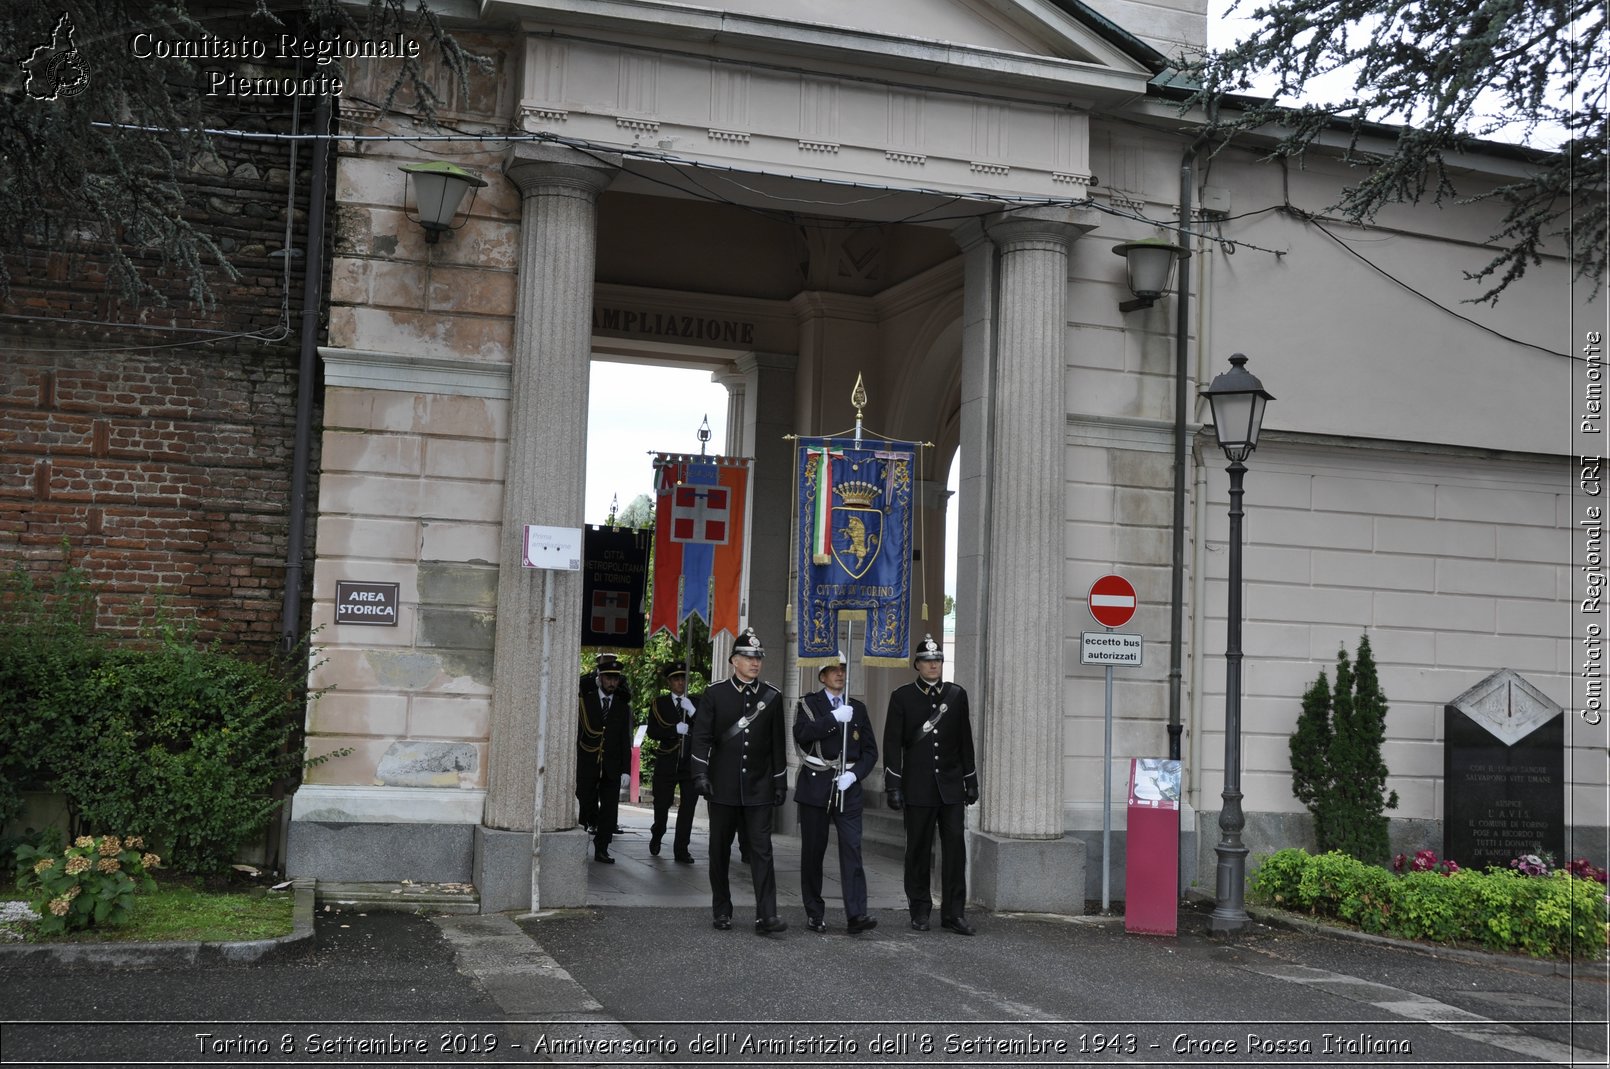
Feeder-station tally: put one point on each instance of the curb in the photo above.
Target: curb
(1275, 918)
(167, 955)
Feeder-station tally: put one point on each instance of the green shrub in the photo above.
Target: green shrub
(91, 882)
(184, 744)
(48, 651)
(1552, 916)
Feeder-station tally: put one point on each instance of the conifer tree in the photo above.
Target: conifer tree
(1310, 753)
(1337, 768)
(1360, 826)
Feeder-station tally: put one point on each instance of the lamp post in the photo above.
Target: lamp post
(1238, 400)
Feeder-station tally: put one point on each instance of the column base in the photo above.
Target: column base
(503, 862)
(1027, 875)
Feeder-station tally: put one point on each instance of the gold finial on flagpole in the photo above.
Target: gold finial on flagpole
(858, 399)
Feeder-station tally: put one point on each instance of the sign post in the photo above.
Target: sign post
(551, 549)
(1112, 603)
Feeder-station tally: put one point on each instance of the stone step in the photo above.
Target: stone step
(405, 897)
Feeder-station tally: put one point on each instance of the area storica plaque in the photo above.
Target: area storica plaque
(1503, 791)
(374, 604)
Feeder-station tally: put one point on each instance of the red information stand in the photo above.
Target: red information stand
(1152, 850)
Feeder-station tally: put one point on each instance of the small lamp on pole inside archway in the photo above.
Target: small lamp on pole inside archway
(439, 189)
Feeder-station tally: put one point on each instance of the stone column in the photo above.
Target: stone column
(769, 415)
(1023, 860)
(538, 643)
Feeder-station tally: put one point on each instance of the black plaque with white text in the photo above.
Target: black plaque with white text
(374, 604)
(1504, 768)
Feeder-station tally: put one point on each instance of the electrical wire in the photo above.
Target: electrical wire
(1427, 298)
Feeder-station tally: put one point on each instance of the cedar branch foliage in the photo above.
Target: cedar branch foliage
(1336, 763)
(1456, 71)
(75, 180)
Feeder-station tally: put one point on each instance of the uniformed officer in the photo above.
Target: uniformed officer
(603, 751)
(928, 770)
(740, 762)
(668, 725)
(836, 735)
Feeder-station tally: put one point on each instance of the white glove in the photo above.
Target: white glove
(626, 779)
(843, 782)
(682, 729)
(843, 714)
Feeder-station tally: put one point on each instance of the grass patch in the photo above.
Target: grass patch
(178, 912)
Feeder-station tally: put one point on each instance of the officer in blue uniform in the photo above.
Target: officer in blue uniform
(740, 763)
(836, 736)
(928, 770)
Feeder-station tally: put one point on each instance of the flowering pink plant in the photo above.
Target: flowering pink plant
(1533, 864)
(1583, 869)
(1425, 861)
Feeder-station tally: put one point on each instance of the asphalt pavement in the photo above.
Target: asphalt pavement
(642, 977)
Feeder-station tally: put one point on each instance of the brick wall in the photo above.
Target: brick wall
(166, 474)
(154, 440)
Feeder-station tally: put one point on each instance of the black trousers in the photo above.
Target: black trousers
(813, 824)
(755, 821)
(921, 823)
(599, 793)
(666, 782)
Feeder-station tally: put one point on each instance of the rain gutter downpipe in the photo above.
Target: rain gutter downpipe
(312, 297)
(1182, 323)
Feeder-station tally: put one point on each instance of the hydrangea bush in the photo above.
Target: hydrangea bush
(91, 882)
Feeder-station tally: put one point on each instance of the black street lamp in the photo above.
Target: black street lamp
(1238, 400)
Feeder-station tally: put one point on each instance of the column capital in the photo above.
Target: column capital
(538, 167)
(1042, 226)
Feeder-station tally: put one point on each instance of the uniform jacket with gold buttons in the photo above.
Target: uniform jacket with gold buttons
(813, 725)
(928, 767)
(603, 737)
(673, 756)
(748, 767)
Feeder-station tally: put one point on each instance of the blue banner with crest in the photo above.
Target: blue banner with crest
(854, 520)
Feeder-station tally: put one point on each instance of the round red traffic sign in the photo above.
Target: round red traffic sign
(1112, 601)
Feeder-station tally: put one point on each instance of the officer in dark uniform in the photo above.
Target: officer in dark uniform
(668, 725)
(928, 771)
(840, 748)
(740, 763)
(603, 751)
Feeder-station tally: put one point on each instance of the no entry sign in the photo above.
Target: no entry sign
(1112, 601)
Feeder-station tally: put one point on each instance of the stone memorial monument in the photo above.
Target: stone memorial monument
(1503, 791)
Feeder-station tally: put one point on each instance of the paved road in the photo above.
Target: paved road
(645, 979)
(654, 981)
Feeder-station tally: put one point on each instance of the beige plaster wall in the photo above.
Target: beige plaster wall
(411, 493)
